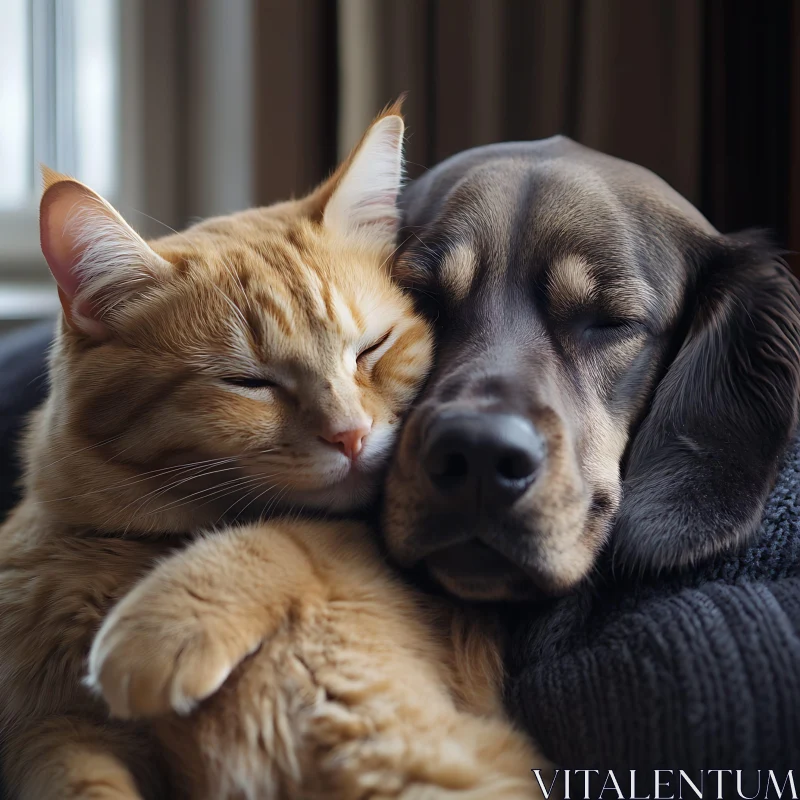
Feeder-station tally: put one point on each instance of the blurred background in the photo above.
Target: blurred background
(181, 109)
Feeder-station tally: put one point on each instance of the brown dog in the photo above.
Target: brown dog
(592, 325)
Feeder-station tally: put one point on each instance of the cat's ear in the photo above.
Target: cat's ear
(96, 258)
(364, 197)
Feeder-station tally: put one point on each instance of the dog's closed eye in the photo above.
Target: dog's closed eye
(610, 329)
(597, 329)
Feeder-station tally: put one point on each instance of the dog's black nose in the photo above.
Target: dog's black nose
(484, 458)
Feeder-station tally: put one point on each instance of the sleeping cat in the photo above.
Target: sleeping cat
(257, 363)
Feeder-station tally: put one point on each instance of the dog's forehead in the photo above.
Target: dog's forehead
(635, 186)
(578, 218)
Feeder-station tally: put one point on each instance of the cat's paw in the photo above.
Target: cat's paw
(164, 650)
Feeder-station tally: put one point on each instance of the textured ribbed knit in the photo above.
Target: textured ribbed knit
(699, 670)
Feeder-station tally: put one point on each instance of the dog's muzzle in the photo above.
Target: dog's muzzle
(481, 461)
(478, 466)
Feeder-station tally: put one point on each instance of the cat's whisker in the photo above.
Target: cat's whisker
(256, 456)
(224, 515)
(139, 512)
(392, 254)
(150, 496)
(239, 480)
(192, 464)
(237, 280)
(276, 501)
(163, 224)
(159, 491)
(73, 453)
(114, 456)
(236, 310)
(423, 167)
(145, 476)
(426, 247)
(211, 462)
(238, 499)
(240, 513)
(226, 487)
(208, 493)
(261, 494)
(219, 492)
(248, 484)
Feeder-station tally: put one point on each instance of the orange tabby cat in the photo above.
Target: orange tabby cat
(255, 362)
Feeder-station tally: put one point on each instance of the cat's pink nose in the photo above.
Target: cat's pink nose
(349, 442)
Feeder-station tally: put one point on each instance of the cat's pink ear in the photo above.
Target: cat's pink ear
(96, 258)
(364, 201)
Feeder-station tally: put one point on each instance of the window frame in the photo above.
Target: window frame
(20, 254)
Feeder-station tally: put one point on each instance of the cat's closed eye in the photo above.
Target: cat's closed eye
(249, 382)
(372, 350)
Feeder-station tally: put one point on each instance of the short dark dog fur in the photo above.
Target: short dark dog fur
(593, 327)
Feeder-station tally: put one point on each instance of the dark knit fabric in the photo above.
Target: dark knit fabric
(23, 385)
(697, 670)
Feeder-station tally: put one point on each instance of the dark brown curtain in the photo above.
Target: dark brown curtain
(794, 138)
(704, 92)
(624, 77)
(748, 102)
(295, 95)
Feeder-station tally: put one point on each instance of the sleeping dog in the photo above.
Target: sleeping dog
(593, 326)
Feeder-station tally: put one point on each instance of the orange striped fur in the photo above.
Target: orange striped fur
(154, 433)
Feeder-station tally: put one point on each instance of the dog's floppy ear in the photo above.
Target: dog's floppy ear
(704, 459)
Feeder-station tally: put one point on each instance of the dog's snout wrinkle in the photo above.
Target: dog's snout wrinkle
(481, 461)
(493, 385)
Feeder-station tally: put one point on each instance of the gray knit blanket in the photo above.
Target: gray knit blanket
(695, 670)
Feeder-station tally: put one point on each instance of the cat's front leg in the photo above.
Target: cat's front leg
(175, 638)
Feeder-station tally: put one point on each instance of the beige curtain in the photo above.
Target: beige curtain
(239, 103)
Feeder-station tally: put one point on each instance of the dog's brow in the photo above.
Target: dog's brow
(570, 285)
(458, 271)
(627, 296)
(573, 284)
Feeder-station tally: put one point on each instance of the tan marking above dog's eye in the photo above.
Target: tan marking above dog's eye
(458, 271)
(575, 289)
(570, 286)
